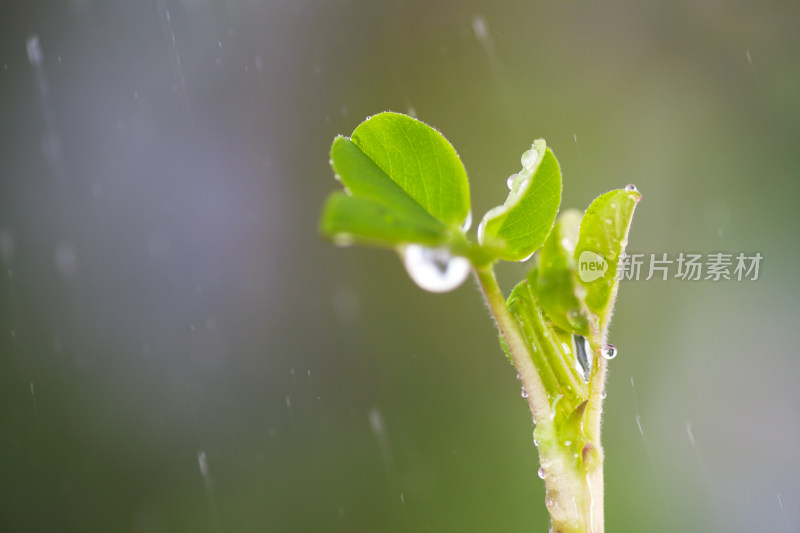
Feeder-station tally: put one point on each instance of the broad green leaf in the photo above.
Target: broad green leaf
(550, 347)
(518, 228)
(554, 277)
(352, 218)
(365, 179)
(405, 185)
(420, 160)
(602, 240)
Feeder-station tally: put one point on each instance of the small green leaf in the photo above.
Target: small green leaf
(518, 228)
(554, 278)
(405, 185)
(602, 240)
(365, 179)
(347, 219)
(550, 347)
(420, 160)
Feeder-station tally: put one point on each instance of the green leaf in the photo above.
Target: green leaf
(554, 277)
(364, 179)
(420, 160)
(518, 228)
(350, 218)
(551, 348)
(602, 240)
(405, 185)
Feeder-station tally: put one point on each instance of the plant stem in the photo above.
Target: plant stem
(594, 411)
(574, 483)
(528, 375)
(597, 384)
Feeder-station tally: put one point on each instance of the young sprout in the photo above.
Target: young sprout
(405, 188)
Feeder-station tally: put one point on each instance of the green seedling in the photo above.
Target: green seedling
(405, 188)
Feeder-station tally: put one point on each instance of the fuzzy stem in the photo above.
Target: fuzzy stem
(597, 386)
(594, 412)
(528, 375)
(574, 486)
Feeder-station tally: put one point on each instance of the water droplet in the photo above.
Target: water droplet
(575, 318)
(510, 181)
(66, 259)
(553, 406)
(524, 393)
(631, 187)
(567, 443)
(434, 269)
(580, 291)
(541, 472)
(603, 395)
(202, 462)
(376, 422)
(530, 158)
(467, 222)
(34, 50)
(583, 356)
(609, 351)
(480, 28)
(343, 239)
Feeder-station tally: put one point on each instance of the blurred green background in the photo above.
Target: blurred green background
(181, 352)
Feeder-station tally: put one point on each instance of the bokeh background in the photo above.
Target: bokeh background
(181, 352)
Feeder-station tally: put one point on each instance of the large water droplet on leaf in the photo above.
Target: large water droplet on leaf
(529, 158)
(510, 181)
(435, 269)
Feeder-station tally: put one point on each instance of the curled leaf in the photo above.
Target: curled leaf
(518, 228)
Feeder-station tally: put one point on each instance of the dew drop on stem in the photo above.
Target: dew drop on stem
(631, 187)
(609, 351)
